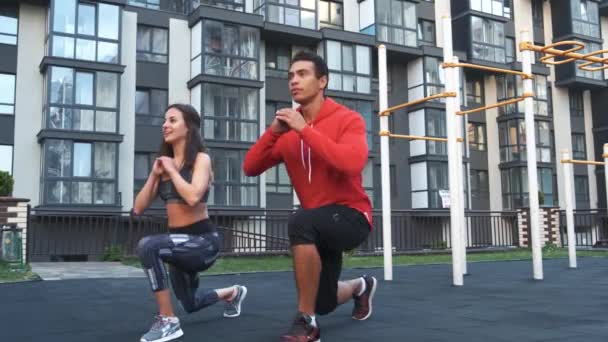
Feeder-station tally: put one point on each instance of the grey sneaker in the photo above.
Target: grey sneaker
(163, 329)
(233, 308)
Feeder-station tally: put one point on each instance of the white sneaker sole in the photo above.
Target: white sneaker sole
(173, 336)
(371, 299)
(243, 295)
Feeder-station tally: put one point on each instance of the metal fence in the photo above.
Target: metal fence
(590, 227)
(70, 235)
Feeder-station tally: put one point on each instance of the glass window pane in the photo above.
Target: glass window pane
(158, 100)
(64, 16)
(397, 13)
(292, 17)
(84, 88)
(213, 36)
(105, 121)
(324, 11)
(5, 39)
(63, 47)
(83, 119)
(104, 193)
(348, 58)
(57, 192)
(105, 160)
(363, 60)
(108, 21)
(159, 42)
(58, 158)
(6, 158)
(142, 168)
(62, 85)
(107, 85)
(82, 160)
(308, 4)
(249, 42)
(60, 118)
(82, 192)
(409, 13)
(85, 49)
(334, 57)
(230, 39)
(307, 19)
(7, 84)
(143, 38)
(107, 52)
(86, 19)
(8, 25)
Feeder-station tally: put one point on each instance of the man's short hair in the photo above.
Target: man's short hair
(320, 65)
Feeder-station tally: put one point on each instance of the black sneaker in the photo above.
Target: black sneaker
(302, 330)
(363, 303)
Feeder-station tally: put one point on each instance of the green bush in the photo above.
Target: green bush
(113, 253)
(6, 184)
(550, 247)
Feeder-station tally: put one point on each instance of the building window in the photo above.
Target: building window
(595, 75)
(510, 55)
(365, 109)
(581, 192)
(578, 146)
(301, 13)
(435, 127)
(474, 91)
(272, 107)
(7, 95)
(511, 86)
(543, 142)
(228, 50)
(278, 58)
(151, 44)
(184, 6)
(230, 185)
(433, 77)
(577, 107)
(143, 166)
(85, 31)
(512, 141)
(349, 67)
(515, 187)
(488, 40)
(82, 100)
(6, 158)
(585, 18)
(331, 14)
(426, 32)
(396, 22)
(8, 28)
(480, 188)
(79, 173)
(230, 113)
(501, 8)
(477, 136)
(438, 180)
(234, 5)
(150, 106)
(537, 14)
(277, 180)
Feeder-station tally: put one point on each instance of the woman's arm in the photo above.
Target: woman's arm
(201, 174)
(147, 194)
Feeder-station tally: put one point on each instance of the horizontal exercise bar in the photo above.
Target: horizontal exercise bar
(388, 111)
(587, 162)
(481, 67)
(415, 137)
(499, 104)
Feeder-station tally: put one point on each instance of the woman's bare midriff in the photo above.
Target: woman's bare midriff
(181, 215)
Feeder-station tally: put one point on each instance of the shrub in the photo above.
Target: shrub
(113, 253)
(6, 184)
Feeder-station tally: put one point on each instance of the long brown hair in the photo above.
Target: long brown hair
(194, 141)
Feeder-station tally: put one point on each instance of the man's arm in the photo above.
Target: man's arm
(348, 154)
(263, 155)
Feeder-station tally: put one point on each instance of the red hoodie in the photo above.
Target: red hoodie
(325, 161)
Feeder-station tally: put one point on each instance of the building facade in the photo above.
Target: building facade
(85, 83)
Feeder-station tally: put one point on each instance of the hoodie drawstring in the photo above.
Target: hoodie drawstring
(309, 159)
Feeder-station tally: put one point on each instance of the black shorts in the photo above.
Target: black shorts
(333, 229)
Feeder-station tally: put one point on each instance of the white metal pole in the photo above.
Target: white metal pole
(606, 173)
(460, 167)
(385, 167)
(455, 196)
(537, 258)
(568, 191)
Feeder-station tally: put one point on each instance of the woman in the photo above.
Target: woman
(182, 176)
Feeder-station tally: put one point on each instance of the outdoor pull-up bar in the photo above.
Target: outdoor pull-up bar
(495, 105)
(570, 54)
(415, 137)
(486, 68)
(390, 110)
(569, 197)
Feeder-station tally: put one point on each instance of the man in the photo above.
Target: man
(324, 147)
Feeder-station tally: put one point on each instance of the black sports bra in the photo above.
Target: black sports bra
(168, 192)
